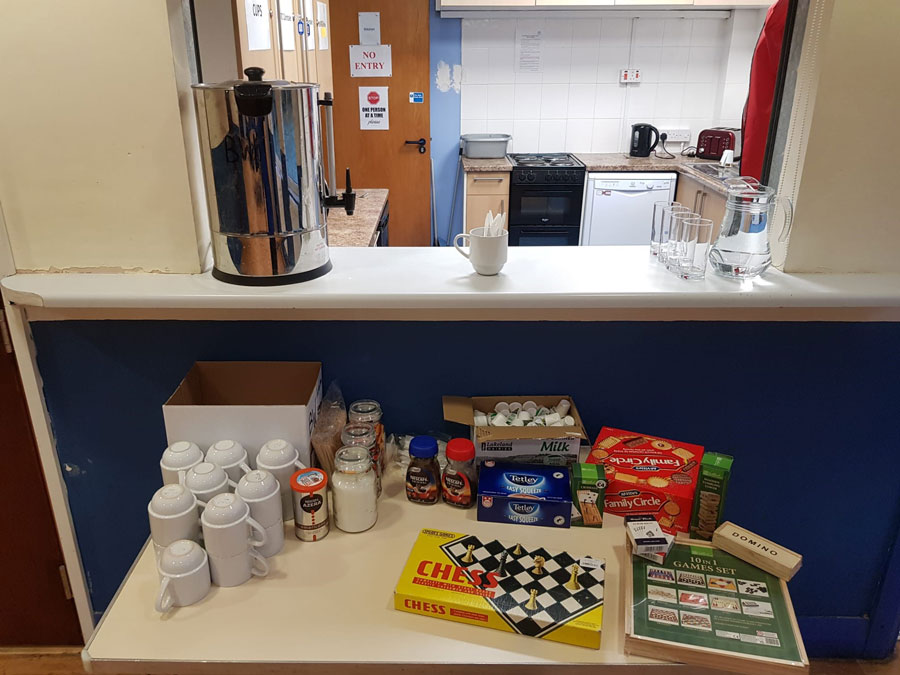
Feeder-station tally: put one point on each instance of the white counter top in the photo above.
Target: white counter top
(575, 283)
(331, 602)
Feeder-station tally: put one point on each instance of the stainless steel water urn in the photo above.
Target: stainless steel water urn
(262, 165)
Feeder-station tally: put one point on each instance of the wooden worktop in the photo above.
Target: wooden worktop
(358, 229)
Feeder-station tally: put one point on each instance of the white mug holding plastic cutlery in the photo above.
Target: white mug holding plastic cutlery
(487, 252)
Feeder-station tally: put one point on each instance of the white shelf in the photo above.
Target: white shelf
(575, 283)
(331, 602)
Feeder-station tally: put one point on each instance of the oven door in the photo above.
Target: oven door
(541, 235)
(545, 205)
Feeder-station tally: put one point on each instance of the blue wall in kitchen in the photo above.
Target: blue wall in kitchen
(809, 410)
(446, 46)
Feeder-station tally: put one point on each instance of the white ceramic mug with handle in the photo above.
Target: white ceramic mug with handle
(231, 456)
(237, 569)
(174, 515)
(261, 491)
(228, 528)
(487, 254)
(179, 458)
(184, 575)
(206, 480)
(280, 458)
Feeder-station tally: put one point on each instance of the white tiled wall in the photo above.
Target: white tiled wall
(691, 78)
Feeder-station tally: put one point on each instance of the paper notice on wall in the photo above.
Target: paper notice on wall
(287, 26)
(529, 49)
(370, 61)
(310, 25)
(370, 28)
(258, 35)
(322, 24)
(373, 108)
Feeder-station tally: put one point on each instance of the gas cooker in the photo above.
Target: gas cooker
(555, 167)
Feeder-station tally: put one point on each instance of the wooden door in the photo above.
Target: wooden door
(381, 158)
(36, 610)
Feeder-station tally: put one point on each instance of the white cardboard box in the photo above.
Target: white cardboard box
(247, 401)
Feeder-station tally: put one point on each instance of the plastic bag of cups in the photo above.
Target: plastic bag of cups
(528, 414)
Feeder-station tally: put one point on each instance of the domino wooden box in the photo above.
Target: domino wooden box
(765, 554)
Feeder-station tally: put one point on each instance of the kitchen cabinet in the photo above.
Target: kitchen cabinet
(660, 3)
(483, 4)
(484, 192)
(701, 199)
(574, 4)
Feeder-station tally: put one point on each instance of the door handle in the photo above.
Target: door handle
(481, 180)
(696, 199)
(420, 143)
(702, 204)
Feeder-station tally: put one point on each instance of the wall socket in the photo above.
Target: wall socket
(629, 75)
(676, 135)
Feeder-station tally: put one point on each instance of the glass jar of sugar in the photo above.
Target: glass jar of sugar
(353, 489)
(369, 411)
(364, 435)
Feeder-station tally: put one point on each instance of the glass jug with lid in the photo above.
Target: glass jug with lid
(742, 249)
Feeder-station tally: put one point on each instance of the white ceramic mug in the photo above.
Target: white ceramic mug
(262, 492)
(174, 515)
(231, 456)
(274, 540)
(178, 459)
(206, 480)
(228, 527)
(236, 569)
(280, 458)
(487, 254)
(184, 575)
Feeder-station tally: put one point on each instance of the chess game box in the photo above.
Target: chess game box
(648, 475)
(486, 582)
(524, 494)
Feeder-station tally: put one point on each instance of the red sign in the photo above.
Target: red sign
(373, 97)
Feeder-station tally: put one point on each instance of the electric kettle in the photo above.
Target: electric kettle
(262, 167)
(640, 139)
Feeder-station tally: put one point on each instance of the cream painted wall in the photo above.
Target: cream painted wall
(846, 209)
(93, 171)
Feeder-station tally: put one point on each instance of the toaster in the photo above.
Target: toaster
(713, 142)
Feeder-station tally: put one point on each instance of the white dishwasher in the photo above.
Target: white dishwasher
(618, 207)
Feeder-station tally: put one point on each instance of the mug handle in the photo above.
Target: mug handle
(456, 242)
(263, 568)
(300, 465)
(259, 528)
(181, 475)
(245, 468)
(231, 484)
(164, 600)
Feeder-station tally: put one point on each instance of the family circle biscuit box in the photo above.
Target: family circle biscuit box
(512, 587)
(648, 475)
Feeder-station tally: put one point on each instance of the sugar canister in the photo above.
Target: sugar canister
(363, 434)
(353, 490)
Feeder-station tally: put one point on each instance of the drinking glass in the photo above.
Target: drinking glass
(697, 237)
(666, 224)
(656, 226)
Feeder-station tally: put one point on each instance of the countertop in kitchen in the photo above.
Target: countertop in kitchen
(566, 283)
(613, 161)
(619, 161)
(358, 229)
(500, 164)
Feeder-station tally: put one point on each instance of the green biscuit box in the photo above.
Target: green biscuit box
(709, 499)
(588, 490)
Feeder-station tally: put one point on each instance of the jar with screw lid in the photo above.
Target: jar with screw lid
(458, 482)
(354, 490)
(363, 434)
(369, 411)
(423, 477)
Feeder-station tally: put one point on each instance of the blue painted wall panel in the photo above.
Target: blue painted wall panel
(446, 46)
(808, 410)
